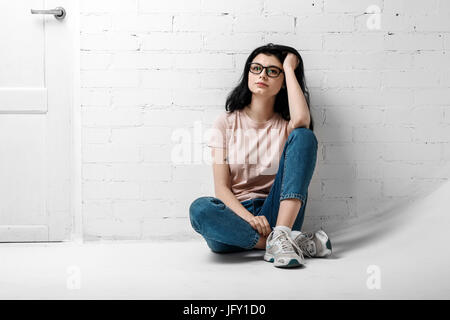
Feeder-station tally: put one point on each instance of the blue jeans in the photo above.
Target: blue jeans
(225, 231)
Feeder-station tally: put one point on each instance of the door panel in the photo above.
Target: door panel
(35, 126)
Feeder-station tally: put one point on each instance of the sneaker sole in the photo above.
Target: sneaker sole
(291, 264)
(268, 257)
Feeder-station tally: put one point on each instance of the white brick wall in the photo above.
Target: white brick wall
(150, 69)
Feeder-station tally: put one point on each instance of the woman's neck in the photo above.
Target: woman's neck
(261, 109)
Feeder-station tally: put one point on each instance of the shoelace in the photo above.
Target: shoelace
(285, 245)
(305, 242)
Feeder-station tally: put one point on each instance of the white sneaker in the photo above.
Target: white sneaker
(282, 250)
(314, 245)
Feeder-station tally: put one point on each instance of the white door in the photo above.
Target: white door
(36, 79)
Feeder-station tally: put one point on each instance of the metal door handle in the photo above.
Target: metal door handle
(58, 12)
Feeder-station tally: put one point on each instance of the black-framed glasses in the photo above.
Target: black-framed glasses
(271, 71)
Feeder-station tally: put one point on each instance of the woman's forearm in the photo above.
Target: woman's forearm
(230, 200)
(298, 106)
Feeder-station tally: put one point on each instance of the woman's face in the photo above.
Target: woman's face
(273, 85)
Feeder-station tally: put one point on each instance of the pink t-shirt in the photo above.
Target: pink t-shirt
(254, 150)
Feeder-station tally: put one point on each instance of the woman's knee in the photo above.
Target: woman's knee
(305, 136)
(198, 207)
(201, 208)
(218, 247)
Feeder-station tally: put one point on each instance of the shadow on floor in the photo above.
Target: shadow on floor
(249, 256)
(237, 257)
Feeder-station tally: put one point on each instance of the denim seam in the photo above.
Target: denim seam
(284, 168)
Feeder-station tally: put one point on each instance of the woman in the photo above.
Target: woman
(264, 153)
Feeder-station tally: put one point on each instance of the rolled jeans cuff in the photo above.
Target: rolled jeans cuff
(255, 241)
(293, 195)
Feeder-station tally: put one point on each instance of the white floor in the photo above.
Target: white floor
(411, 257)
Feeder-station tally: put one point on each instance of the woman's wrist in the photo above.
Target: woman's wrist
(289, 69)
(247, 216)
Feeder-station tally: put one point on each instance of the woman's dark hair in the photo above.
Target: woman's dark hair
(241, 95)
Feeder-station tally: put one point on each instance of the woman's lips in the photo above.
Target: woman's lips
(261, 84)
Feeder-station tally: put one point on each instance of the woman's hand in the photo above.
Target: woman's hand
(291, 61)
(260, 224)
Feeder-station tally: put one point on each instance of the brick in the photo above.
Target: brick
(170, 6)
(97, 209)
(362, 152)
(170, 117)
(95, 97)
(329, 133)
(437, 96)
(325, 23)
(338, 188)
(352, 79)
(204, 97)
(411, 151)
(323, 207)
(142, 136)
(232, 6)
(180, 41)
(350, 6)
(294, 7)
(142, 60)
(95, 171)
(412, 42)
(95, 23)
(109, 78)
(198, 23)
(192, 173)
(387, 22)
(369, 171)
(157, 154)
(168, 79)
(431, 133)
(95, 60)
(383, 134)
(335, 171)
(96, 135)
(352, 42)
(398, 187)
(109, 41)
(272, 23)
(140, 172)
(160, 190)
(353, 116)
(96, 116)
(303, 42)
(199, 61)
(227, 79)
(410, 79)
(411, 7)
(240, 42)
(112, 229)
(108, 6)
(110, 153)
(141, 23)
(130, 97)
